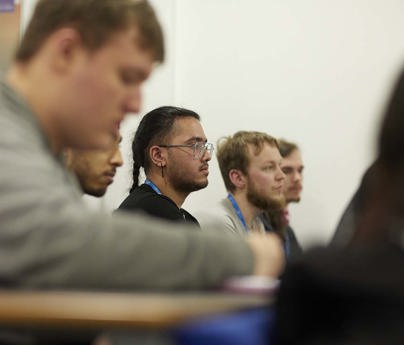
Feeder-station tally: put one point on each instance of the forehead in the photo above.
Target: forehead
(129, 36)
(125, 46)
(94, 154)
(269, 153)
(294, 159)
(185, 128)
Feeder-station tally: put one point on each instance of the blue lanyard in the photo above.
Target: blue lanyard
(152, 186)
(287, 246)
(157, 190)
(238, 211)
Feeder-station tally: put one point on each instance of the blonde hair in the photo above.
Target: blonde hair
(232, 152)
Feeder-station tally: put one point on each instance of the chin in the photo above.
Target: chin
(293, 199)
(98, 193)
(201, 185)
(278, 203)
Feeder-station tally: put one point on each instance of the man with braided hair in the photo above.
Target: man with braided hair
(171, 146)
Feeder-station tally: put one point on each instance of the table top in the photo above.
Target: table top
(118, 310)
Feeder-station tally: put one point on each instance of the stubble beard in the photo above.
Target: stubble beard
(182, 185)
(96, 192)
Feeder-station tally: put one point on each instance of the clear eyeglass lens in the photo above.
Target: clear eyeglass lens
(209, 148)
(200, 149)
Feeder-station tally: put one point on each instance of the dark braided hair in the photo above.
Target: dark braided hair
(155, 125)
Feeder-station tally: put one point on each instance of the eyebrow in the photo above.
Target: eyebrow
(196, 139)
(291, 166)
(133, 73)
(272, 161)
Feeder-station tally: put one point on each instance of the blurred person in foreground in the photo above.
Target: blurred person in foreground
(95, 169)
(72, 82)
(354, 294)
(348, 223)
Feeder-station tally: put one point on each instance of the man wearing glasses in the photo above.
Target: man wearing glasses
(171, 148)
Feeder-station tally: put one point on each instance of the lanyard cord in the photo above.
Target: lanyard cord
(287, 245)
(157, 190)
(152, 186)
(242, 220)
(238, 212)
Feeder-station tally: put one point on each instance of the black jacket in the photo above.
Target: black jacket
(144, 198)
(343, 296)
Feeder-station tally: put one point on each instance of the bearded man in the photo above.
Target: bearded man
(250, 164)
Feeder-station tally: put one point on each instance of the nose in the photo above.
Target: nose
(206, 156)
(116, 158)
(297, 176)
(134, 101)
(281, 175)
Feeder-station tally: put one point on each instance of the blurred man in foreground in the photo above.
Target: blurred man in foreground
(95, 169)
(74, 78)
(354, 293)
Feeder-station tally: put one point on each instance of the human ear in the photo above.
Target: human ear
(237, 178)
(63, 46)
(157, 156)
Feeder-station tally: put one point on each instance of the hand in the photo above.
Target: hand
(268, 254)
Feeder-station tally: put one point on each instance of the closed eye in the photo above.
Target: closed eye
(287, 171)
(131, 76)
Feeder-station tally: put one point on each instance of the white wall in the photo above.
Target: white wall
(315, 72)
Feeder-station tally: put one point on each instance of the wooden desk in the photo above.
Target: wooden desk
(116, 310)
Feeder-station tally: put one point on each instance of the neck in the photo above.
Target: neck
(27, 81)
(167, 189)
(249, 211)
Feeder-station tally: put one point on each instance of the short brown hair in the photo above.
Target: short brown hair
(95, 21)
(232, 152)
(286, 147)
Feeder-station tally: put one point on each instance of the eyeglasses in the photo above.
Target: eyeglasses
(199, 148)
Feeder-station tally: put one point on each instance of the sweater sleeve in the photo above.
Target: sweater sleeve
(50, 239)
(54, 241)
